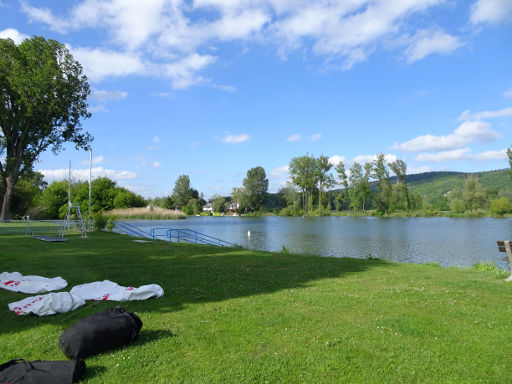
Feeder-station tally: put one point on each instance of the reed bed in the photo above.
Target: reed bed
(146, 213)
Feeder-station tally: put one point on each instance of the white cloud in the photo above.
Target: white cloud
(225, 88)
(279, 177)
(166, 95)
(83, 174)
(316, 137)
(164, 37)
(466, 133)
(146, 192)
(490, 155)
(462, 154)
(349, 30)
(477, 130)
(95, 160)
(455, 154)
(99, 64)
(280, 172)
(235, 139)
(98, 108)
(491, 11)
(361, 159)
(416, 170)
(45, 15)
(294, 137)
(427, 42)
(335, 160)
(13, 34)
(156, 164)
(508, 93)
(467, 115)
(183, 72)
(156, 139)
(104, 95)
(194, 144)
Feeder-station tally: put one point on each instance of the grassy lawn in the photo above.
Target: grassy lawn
(240, 316)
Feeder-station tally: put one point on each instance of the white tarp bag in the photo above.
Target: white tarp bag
(61, 302)
(49, 304)
(108, 290)
(16, 282)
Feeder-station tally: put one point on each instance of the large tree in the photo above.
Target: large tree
(399, 168)
(182, 192)
(324, 178)
(381, 175)
(304, 175)
(255, 187)
(43, 99)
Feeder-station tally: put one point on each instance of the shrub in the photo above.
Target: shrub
(100, 220)
(457, 205)
(111, 223)
(500, 206)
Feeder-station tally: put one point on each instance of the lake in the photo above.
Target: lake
(448, 241)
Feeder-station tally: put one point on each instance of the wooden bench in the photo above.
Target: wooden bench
(505, 246)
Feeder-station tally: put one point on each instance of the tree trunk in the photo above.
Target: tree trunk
(6, 204)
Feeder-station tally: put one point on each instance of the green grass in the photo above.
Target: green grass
(241, 316)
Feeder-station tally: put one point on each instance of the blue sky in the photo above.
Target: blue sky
(212, 88)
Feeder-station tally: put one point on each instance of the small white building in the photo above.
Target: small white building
(232, 208)
(208, 208)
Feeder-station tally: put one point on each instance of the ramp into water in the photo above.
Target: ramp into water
(172, 235)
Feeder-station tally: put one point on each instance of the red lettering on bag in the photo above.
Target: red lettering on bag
(105, 297)
(12, 283)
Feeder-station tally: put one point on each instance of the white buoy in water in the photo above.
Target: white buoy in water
(248, 233)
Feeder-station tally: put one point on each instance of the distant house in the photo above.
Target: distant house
(208, 208)
(232, 208)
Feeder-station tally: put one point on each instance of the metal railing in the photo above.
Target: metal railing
(131, 230)
(172, 235)
(33, 227)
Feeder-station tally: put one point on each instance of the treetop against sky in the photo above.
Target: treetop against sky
(212, 88)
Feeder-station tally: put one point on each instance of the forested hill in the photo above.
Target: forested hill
(431, 184)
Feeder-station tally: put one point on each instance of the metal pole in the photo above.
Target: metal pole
(90, 172)
(69, 185)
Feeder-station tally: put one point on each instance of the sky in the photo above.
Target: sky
(212, 88)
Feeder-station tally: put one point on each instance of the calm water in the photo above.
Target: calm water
(447, 241)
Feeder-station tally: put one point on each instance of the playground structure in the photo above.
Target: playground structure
(68, 221)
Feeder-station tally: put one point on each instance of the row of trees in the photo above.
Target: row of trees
(35, 198)
(318, 186)
(312, 177)
(183, 197)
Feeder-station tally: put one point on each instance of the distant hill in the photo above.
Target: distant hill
(431, 184)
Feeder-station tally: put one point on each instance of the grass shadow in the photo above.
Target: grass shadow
(188, 273)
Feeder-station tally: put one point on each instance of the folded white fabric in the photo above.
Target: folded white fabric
(108, 290)
(16, 282)
(61, 302)
(49, 304)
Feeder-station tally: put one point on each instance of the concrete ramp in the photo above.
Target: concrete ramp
(50, 239)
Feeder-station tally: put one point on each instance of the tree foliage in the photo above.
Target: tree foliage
(219, 204)
(255, 188)
(183, 192)
(43, 99)
(381, 176)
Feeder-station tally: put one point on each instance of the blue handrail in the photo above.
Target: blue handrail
(172, 234)
(132, 230)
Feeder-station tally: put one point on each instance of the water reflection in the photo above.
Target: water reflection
(447, 241)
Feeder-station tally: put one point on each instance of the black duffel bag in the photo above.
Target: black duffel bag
(100, 332)
(20, 371)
